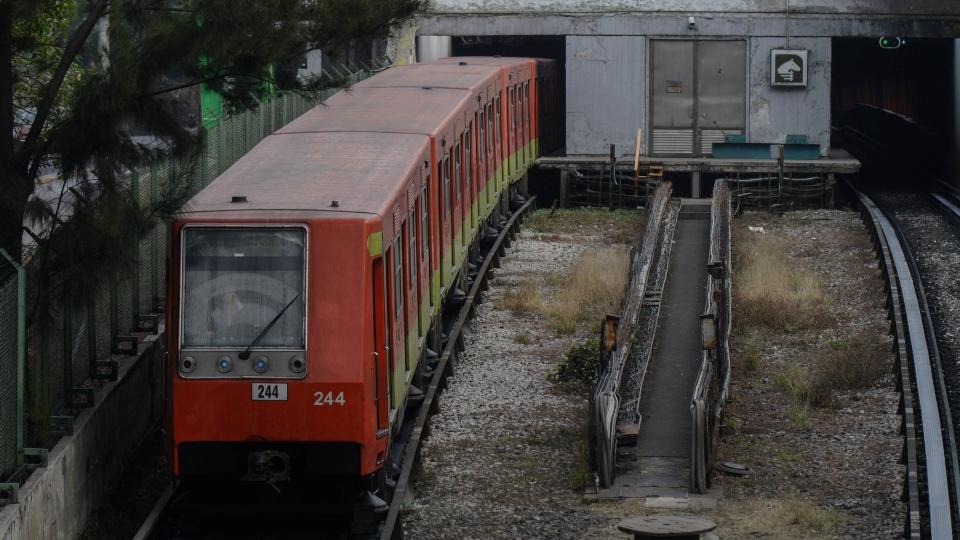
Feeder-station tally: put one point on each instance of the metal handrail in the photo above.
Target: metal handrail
(605, 399)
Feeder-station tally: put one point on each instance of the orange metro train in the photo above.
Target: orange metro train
(308, 281)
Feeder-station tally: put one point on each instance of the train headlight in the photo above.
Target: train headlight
(224, 364)
(297, 364)
(188, 364)
(261, 364)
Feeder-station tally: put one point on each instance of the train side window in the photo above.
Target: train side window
(397, 277)
(458, 171)
(411, 248)
(510, 109)
(446, 188)
(424, 224)
(526, 104)
(496, 132)
(490, 128)
(521, 108)
(468, 160)
(481, 140)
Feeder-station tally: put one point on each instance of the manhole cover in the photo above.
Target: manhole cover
(735, 469)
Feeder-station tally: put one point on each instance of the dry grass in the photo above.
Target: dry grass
(524, 298)
(593, 289)
(776, 518)
(851, 365)
(619, 226)
(775, 290)
(858, 364)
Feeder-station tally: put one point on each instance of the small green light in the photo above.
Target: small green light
(891, 42)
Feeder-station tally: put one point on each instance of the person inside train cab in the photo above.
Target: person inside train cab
(227, 320)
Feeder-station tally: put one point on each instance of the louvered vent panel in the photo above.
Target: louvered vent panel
(673, 141)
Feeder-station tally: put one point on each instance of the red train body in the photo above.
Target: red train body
(307, 282)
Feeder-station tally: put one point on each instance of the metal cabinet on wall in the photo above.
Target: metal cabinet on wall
(697, 93)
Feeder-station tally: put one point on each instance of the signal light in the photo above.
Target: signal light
(224, 364)
(261, 364)
(892, 42)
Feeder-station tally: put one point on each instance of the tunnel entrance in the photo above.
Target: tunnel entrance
(544, 183)
(902, 98)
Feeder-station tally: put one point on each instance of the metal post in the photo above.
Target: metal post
(91, 334)
(613, 169)
(154, 278)
(779, 150)
(21, 346)
(114, 310)
(564, 183)
(135, 304)
(67, 352)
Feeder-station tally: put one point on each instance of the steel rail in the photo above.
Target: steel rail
(153, 519)
(952, 207)
(450, 353)
(919, 366)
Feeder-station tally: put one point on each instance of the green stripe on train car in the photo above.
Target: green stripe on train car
(375, 244)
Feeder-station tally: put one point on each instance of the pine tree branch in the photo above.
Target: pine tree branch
(73, 48)
(188, 84)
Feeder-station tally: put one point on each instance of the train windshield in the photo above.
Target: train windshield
(238, 282)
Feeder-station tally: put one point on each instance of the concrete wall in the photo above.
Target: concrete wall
(57, 500)
(606, 93)
(772, 113)
(607, 88)
(665, 23)
(859, 7)
(606, 54)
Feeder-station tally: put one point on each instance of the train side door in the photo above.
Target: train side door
(458, 196)
(381, 355)
(446, 237)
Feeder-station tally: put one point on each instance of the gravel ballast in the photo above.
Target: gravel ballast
(508, 443)
(503, 450)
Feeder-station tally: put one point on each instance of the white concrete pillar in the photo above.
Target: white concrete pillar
(432, 47)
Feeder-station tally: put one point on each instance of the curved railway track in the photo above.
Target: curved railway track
(948, 199)
(413, 434)
(930, 448)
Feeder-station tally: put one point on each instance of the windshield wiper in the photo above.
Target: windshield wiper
(246, 352)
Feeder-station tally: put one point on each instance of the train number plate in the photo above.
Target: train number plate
(269, 392)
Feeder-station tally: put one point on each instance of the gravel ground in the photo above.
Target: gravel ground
(842, 469)
(506, 448)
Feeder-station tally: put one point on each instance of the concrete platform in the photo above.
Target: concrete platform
(837, 162)
(659, 465)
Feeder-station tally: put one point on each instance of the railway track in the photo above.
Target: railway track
(156, 526)
(947, 198)
(930, 448)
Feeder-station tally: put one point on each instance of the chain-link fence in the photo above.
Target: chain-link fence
(84, 346)
(12, 350)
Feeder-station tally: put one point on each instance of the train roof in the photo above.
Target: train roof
(308, 171)
(466, 77)
(356, 148)
(390, 110)
(499, 61)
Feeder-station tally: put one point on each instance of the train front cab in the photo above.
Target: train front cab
(307, 406)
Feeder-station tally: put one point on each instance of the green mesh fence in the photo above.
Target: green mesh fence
(8, 369)
(61, 357)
